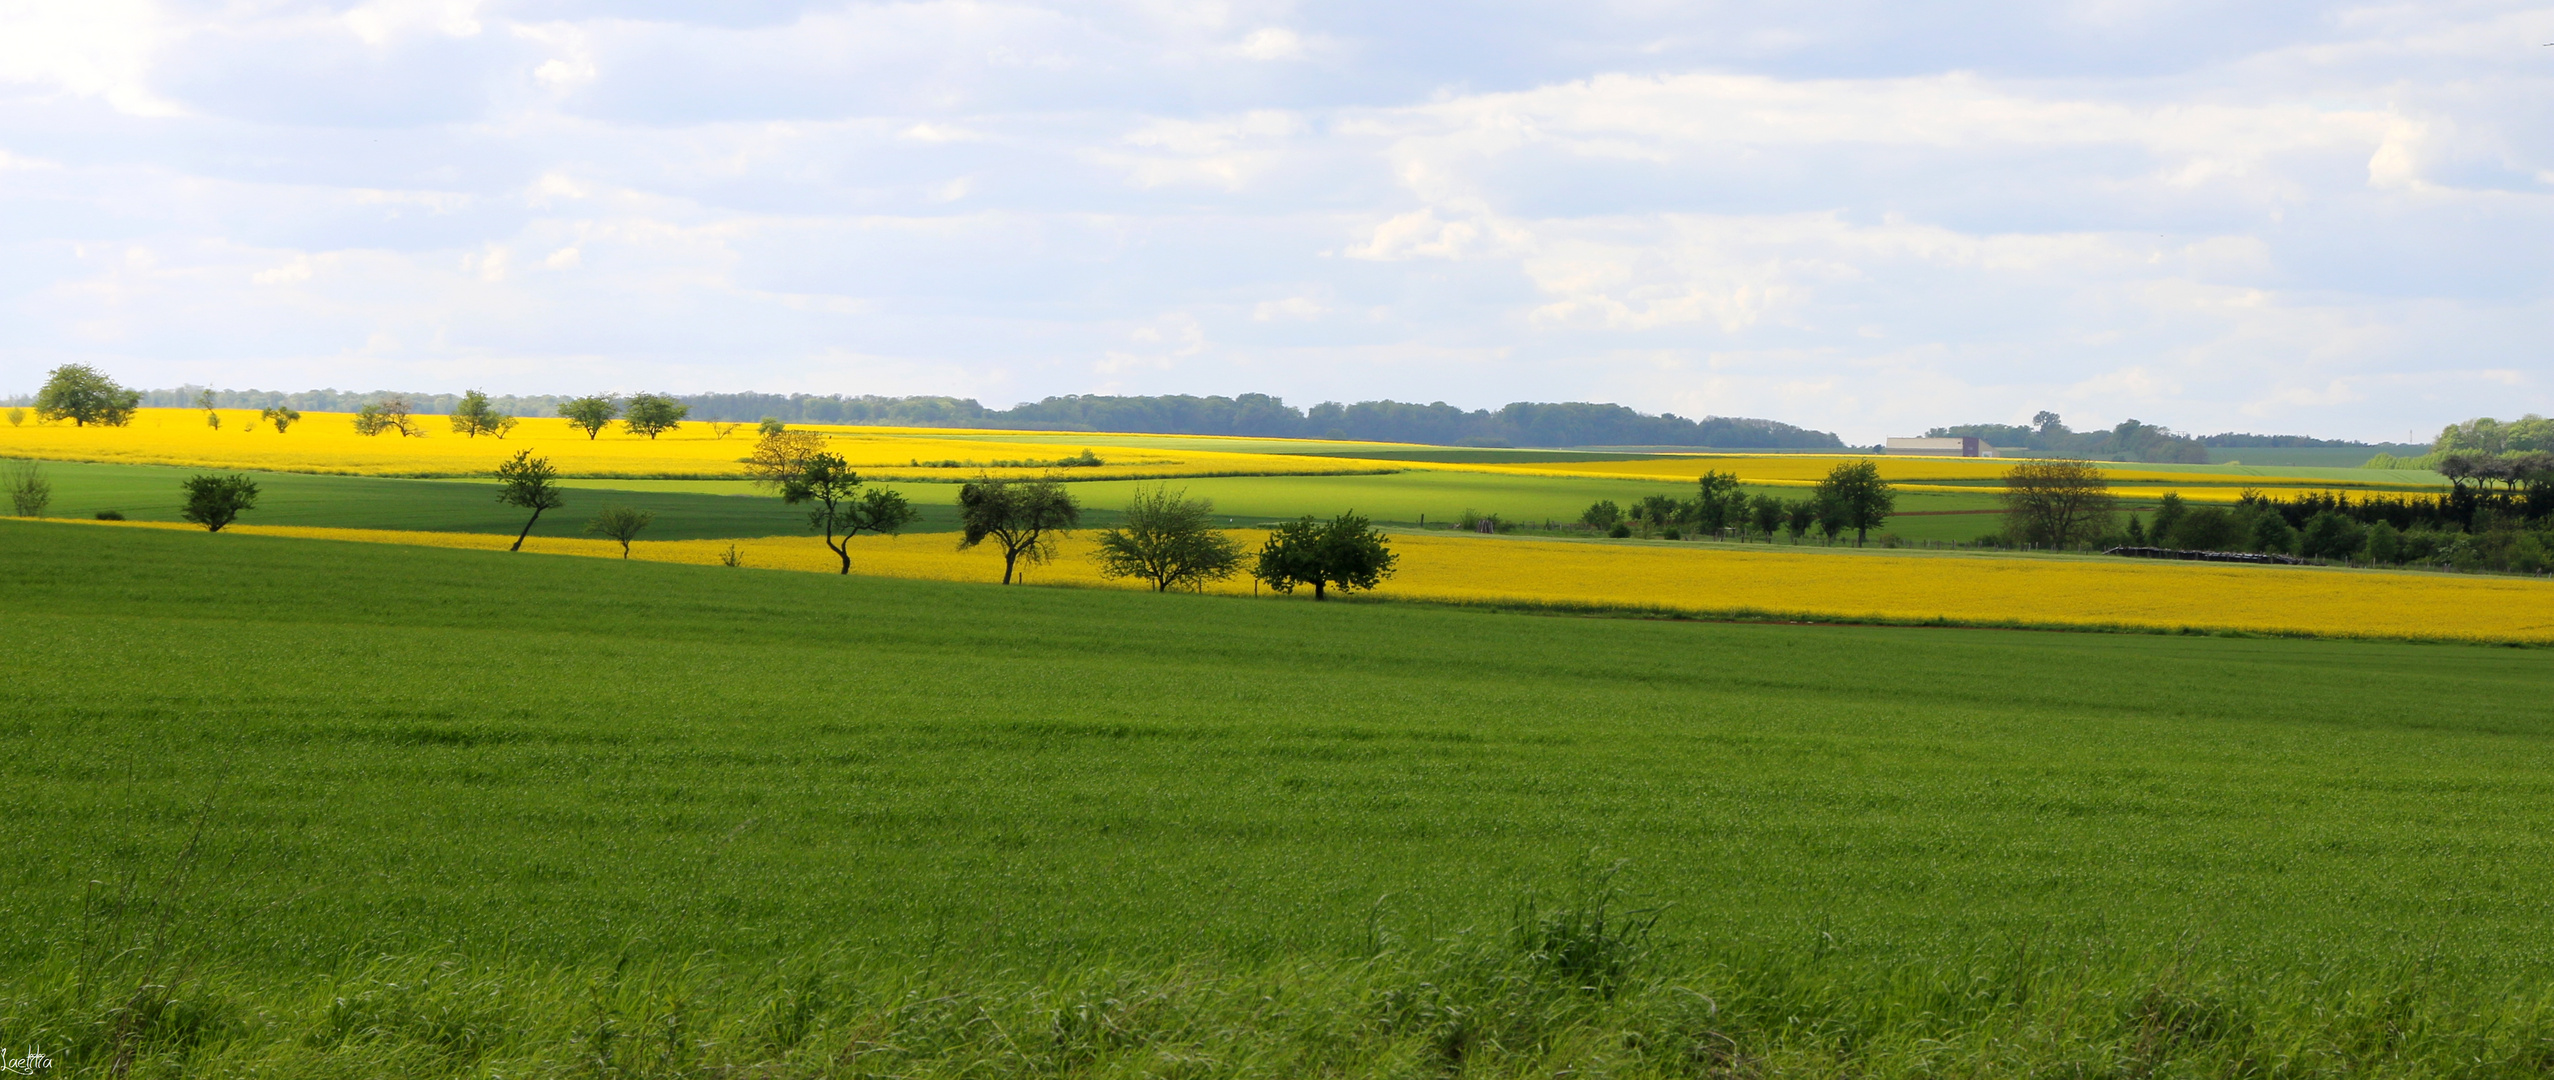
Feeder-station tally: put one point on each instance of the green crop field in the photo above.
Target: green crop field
(307, 808)
(712, 509)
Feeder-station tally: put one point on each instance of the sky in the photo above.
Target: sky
(1857, 216)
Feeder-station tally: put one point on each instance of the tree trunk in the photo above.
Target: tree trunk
(527, 530)
(1317, 592)
(1010, 556)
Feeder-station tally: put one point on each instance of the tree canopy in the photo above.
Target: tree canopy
(2057, 503)
(84, 395)
(1169, 540)
(1857, 498)
(529, 482)
(216, 501)
(797, 465)
(591, 413)
(1345, 553)
(620, 523)
(1023, 516)
(653, 415)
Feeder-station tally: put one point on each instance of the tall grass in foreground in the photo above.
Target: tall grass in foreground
(1558, 995)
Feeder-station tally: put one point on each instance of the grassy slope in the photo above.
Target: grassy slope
(421, 750)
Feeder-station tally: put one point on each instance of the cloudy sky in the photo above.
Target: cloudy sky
(1860, 216)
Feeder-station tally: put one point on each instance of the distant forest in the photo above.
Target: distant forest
(2131, 440)
(1520, 424)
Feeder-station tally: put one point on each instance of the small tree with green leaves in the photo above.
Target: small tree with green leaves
(2057, 503)
(473, 417)
(387, 414)
(282, 416)
(1169, 540)
(212, 415)
(529, 482)
(17, 416)
(1601, 515)
(84, 395)
(653, 415)
(1023, 516)
(1718, 502)
(1345, 553)
(1768, 513)
(30, 491)
(1798, 516)
(619, 523)
(1859, 498)
(215, 501)
(591, 413)
(798, 466)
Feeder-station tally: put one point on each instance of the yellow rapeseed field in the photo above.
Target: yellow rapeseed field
(1936, 474)
(327, 443)
(1720, 579)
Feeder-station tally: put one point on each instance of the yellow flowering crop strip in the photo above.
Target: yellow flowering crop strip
(1758, 581)
(1927, 474)
(327, 443)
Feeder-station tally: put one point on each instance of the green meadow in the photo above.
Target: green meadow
(304, 808)
(711, 509)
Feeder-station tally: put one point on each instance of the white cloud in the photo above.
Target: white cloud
(2196, 216)
(380, 21)
(1272, 43)
(89, 48)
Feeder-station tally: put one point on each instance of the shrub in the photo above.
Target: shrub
(2329, 535)
(215, 501)
(110, 515)
(2270, 533)
(2383, 543)
(29, 491)
(1620, 531)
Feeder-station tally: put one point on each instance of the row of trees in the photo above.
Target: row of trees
(1519, 423)
(1853, 496)
(2069, 504)
(1167, 540)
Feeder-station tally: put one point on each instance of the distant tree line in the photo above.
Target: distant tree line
(1261, 415)
(2500, 521)
(2131, 440)
(2482, 446)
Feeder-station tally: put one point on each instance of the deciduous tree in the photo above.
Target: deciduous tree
(2057, 503)
(654, 414)
(1768, 513)
(473, 417)
(591, 413)
(1169, 540)
(388, 414)
(1718, 502)
(619, 523)
(797, 465)
(529, 482)
(215, 501)
(1023, 516)
(282, 416)
(1858, 497)
(1345, 553)
(84, 395)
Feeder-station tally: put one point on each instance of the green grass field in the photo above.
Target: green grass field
(465, 813)
(711, 509)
